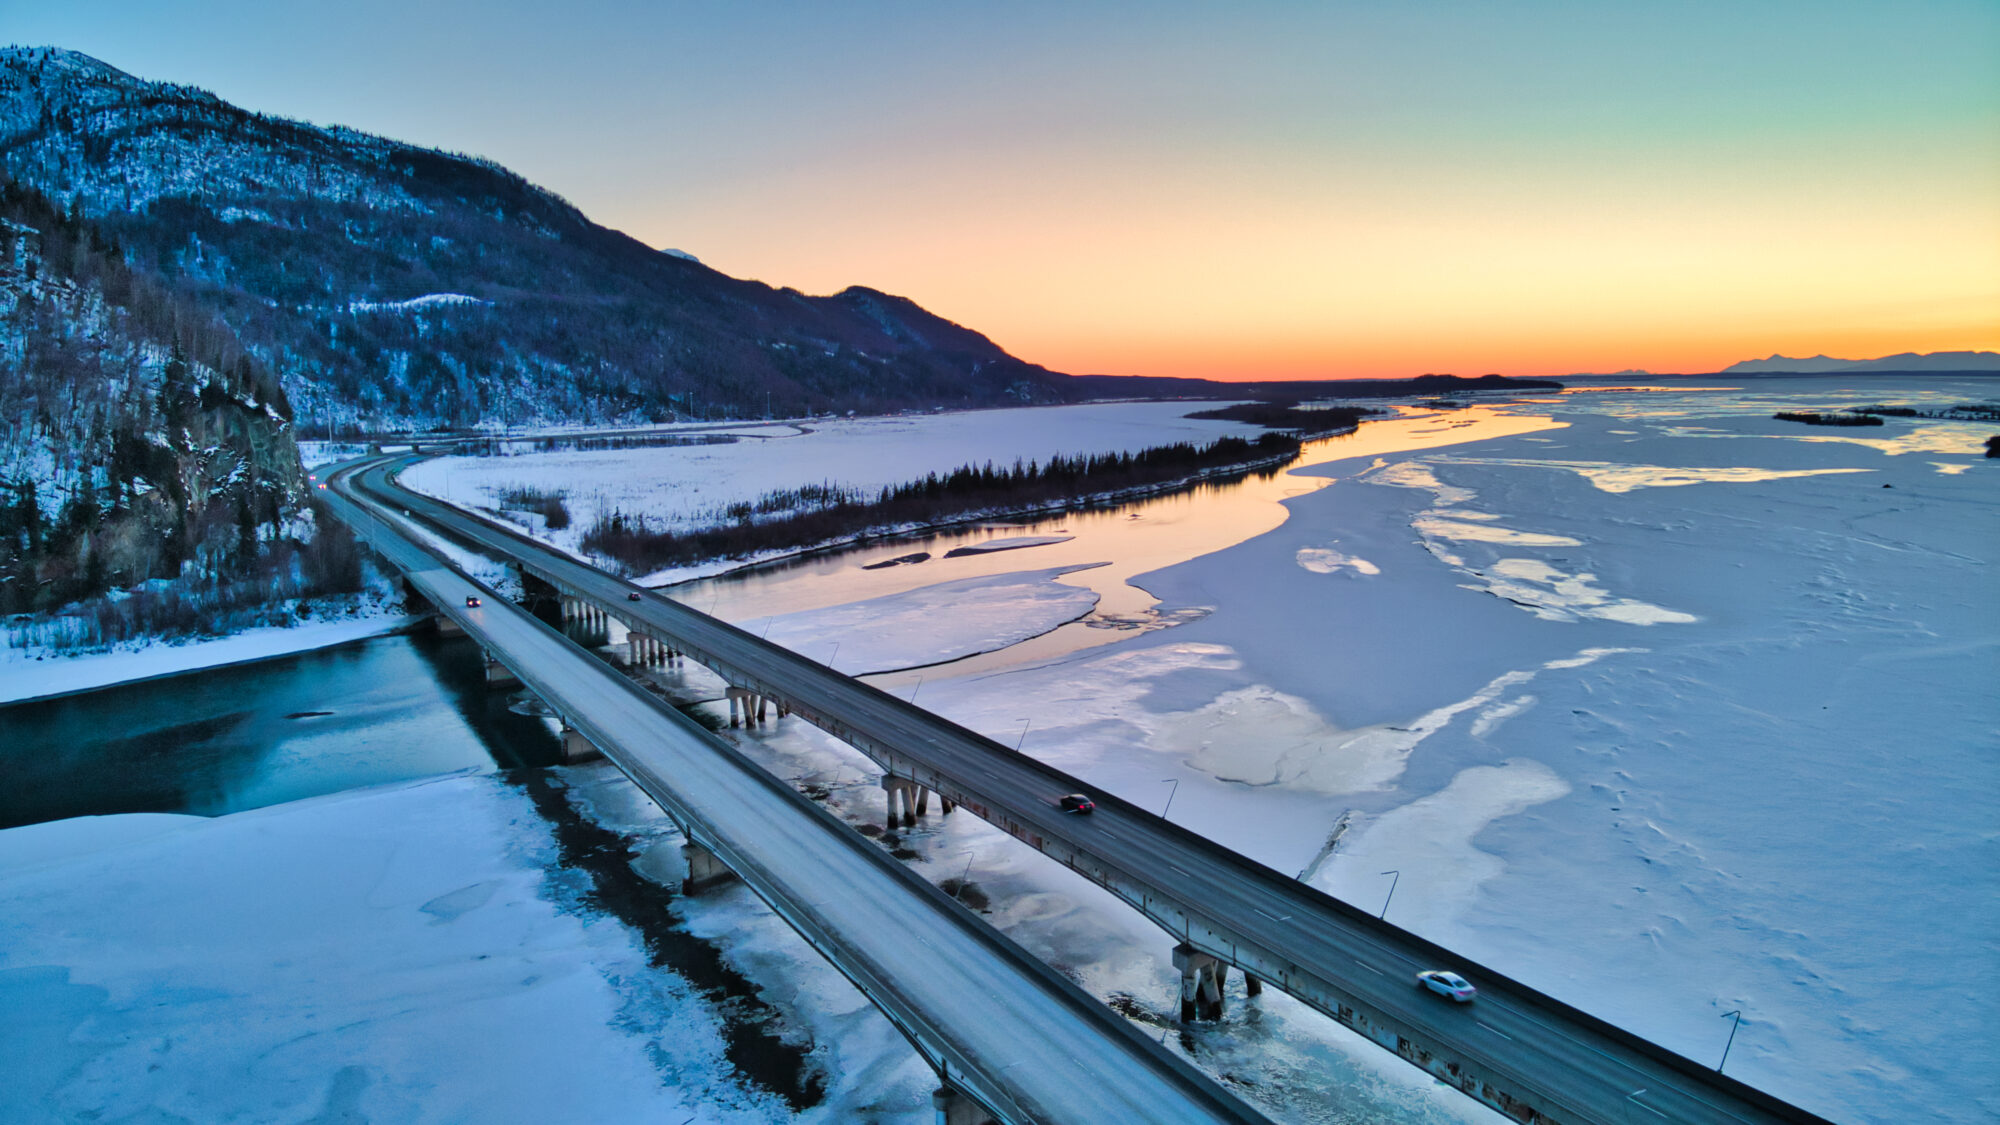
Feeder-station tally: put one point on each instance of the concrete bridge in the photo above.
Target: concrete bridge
(1524, 1053)
(1010, 1039)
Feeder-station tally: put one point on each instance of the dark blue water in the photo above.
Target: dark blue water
(229, 739)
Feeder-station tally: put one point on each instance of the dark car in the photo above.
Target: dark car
(472, 601)
(633, 596)
(1077, 802)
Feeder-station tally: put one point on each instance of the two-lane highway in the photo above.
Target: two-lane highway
(1517, 1049)
(995, 1022)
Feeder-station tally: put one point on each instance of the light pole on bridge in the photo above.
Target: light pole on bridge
(1738, 1013)
(1396, 877)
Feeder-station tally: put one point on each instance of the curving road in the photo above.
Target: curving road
(997, 1023)
(1521, 1051)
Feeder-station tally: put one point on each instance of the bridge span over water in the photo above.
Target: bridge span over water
(1532, 1057)
(1008, 1036)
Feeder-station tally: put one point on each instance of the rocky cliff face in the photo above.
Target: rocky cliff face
(392, 284)
(138, 438)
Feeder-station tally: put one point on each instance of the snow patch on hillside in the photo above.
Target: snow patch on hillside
(416, 304)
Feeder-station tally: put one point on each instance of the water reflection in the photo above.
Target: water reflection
(229, 739)
(1131, 538)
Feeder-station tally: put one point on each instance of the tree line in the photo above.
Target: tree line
(799, 518)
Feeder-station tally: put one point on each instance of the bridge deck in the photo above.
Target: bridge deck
(1520, 1050)
(1005, 1028)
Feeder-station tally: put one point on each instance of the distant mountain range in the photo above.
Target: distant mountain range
(1905, 361)
(1827, 365)
(392, 284)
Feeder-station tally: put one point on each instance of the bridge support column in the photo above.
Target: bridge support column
(1202, 977)
(751, 703)
(449, 628)
(704, 869)
(497, 674)
(897, 790)
(914, 798)
(1251, 985)
(954, 1108)
(576, 747)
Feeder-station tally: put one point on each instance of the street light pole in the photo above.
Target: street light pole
(963, 876)
(1024, 735)
(1170, 795)
(1738, 1013)
(1397, 878)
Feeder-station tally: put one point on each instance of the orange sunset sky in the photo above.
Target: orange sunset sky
(1241, 191)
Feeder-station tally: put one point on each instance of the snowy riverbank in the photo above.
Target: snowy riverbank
(682, 487)
(36, 672)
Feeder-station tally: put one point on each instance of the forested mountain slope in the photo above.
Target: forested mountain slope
(391, 284)
(138, 438)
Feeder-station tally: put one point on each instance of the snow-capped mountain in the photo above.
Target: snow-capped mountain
(391, 283)
(1904, 361)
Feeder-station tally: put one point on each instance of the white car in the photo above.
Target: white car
(1444, 982)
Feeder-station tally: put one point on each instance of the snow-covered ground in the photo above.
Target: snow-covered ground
(682, 486)
(1674, 711)
(1671, 711)
(407, 953)
(930, 625)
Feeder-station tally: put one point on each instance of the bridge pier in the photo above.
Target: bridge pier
(704, 869)
(914, 796)
(577, 747)
(497, 674)
(954, 1108)
(1202, 978)
(753, 707)
(446, 627)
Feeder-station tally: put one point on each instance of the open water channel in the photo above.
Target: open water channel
(396, 708)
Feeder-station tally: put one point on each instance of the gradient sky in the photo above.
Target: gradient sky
(1223, 190)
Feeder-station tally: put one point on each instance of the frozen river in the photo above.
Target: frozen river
(1666, 707)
